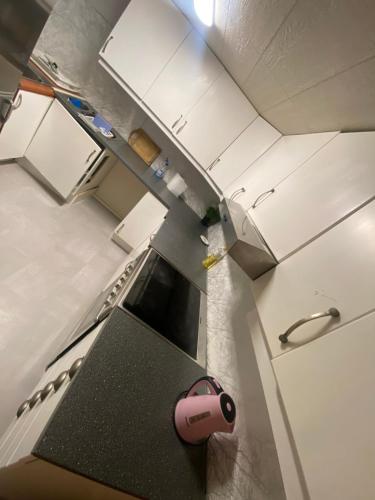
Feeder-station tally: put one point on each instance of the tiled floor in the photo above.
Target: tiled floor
(54, 260)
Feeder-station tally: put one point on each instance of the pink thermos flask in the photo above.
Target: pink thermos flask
(197, 416)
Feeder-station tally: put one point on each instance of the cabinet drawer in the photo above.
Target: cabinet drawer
(335, 271)
(327, 388)
(24, 431)
(333, 183)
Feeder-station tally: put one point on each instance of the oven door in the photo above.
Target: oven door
(92, 318)
(165, 300)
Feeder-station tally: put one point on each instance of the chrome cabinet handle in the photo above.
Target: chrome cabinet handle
(333, 312)
(60, 380)
(261, 197)
(181, 128)
(214, 163)
(47, 390)
(177, 122)
(75, 367)
(16, 104)
(34, 400)
(23, 407)
(90, 156)
(106, 43)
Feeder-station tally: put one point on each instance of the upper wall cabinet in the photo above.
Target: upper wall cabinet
(332, 184)
(143, 41)
(188, 75)
(167, 68)
(281, 160)
(252, 143)
(215, 121)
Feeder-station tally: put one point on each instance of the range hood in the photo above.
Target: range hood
(244, 242)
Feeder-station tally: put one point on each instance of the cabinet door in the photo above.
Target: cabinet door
(337, 270)
(142, 42)
(328, 392)
(215, 121)
(140, 222)
(18, 131)
(252, 143)
(281, 160)
(332, 184)
(61, 150)
(187, 76)
(32, 423)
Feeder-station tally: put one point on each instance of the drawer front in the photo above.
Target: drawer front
(335, 271)
(21, 436)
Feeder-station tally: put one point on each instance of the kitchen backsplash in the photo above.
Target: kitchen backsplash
(73, 36)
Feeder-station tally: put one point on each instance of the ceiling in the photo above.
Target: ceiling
(306, 65)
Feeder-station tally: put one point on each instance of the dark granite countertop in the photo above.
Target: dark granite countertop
(115, 424)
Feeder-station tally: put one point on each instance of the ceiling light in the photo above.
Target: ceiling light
(205, 11)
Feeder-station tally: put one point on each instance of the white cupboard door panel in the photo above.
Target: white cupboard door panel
(61, 150)
(336, 270)
(140, 222)
(19, 426)
(333, 183)
(188, 75)
(327, 388)
(281, 160)
(39, 416)
(216, 121)
(22, 124)
(252, 143)
(142, 42)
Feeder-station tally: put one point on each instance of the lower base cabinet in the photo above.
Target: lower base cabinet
(327, 388)
(143, 220)
(61, 151)
(17, 133)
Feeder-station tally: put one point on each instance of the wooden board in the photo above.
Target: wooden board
(144, 146)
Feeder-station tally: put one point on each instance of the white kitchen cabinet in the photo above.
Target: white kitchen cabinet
(23, 433)
(281, 160)
(337, 270)
(61, 151)
(140, 222)
(327, 388)
(252, 143)
(215, 121)
(188, 75)
(143, 41)
(24, 120)
(333, 183)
